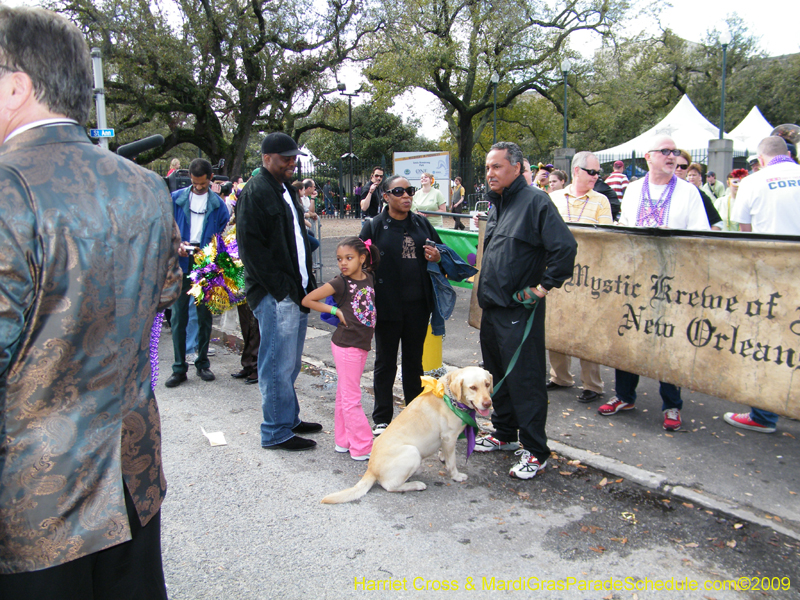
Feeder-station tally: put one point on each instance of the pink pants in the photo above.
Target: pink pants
(351, 428)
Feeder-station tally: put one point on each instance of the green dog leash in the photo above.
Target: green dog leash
(532, 301)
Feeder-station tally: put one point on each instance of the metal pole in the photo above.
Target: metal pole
(722, 107)
(342, 197)
(350, 127)
(342, 88)
(99, 93)
(565, 110)
(494, 127)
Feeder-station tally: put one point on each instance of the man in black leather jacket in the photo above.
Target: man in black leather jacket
(274, 247)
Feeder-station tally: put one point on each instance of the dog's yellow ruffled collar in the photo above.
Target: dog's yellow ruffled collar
(432, 386)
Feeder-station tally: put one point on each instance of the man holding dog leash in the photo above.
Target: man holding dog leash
(528, 249)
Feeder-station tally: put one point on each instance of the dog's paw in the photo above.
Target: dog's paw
(460, 477)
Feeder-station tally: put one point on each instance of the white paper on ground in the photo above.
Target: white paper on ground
(217, 438)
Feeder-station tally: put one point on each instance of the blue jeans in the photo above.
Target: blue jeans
(626, 390)
(283, 334)
(763, 417)
(191, 330)
(313, 241)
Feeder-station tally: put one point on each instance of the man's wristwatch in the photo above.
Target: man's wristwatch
(541, 289)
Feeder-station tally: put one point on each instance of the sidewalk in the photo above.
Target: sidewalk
(750, 475)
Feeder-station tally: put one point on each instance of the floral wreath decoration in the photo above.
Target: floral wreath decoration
(218, 274)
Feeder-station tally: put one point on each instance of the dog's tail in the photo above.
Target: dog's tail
(353, 493)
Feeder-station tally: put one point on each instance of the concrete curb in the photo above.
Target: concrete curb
(659, 483)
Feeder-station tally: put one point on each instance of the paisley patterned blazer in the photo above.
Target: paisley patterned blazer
(88, 254)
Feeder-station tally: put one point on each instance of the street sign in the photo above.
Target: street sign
(101, 133)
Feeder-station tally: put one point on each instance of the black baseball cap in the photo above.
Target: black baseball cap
(280, 143)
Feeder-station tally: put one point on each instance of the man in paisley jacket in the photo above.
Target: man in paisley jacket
(89, 255)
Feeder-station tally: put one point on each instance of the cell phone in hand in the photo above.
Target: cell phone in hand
(430, 243)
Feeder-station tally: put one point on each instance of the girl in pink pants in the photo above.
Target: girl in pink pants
(354, 294)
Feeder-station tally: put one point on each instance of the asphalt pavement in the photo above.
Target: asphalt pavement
(622, 502)
(707, 460)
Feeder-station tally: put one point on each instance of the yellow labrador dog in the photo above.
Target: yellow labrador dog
(425, 426)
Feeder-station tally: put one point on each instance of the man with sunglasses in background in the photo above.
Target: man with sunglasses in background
(580, 203)
(659, 199)
(370, 198)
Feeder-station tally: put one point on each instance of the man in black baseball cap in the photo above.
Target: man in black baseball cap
(274, 247)
(278, 154)
(280, 143)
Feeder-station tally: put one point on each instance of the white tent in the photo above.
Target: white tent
(684, 124)
(753, 128)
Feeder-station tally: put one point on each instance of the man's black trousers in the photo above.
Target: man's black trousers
(521, 403)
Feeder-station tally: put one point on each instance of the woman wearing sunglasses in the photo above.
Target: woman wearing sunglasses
(403, 294)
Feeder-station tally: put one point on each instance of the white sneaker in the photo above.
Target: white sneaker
(340, 449)
(211, 351)
(191, 358)
(488, 443)
(362, 457)
(527, 467)
(379, 428)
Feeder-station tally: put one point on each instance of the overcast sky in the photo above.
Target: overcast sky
(774, 23)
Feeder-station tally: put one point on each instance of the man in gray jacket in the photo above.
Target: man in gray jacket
(274, 247)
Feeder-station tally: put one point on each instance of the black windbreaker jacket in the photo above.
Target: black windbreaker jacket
(526, 243)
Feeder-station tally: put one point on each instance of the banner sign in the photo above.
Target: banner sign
(719, 314)
(413, 164)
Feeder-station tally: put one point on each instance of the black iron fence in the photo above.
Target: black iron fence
(339, 183)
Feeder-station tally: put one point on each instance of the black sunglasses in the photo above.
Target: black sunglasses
(592, 172)
(667, 152)
(682, 167)
(398, 191)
